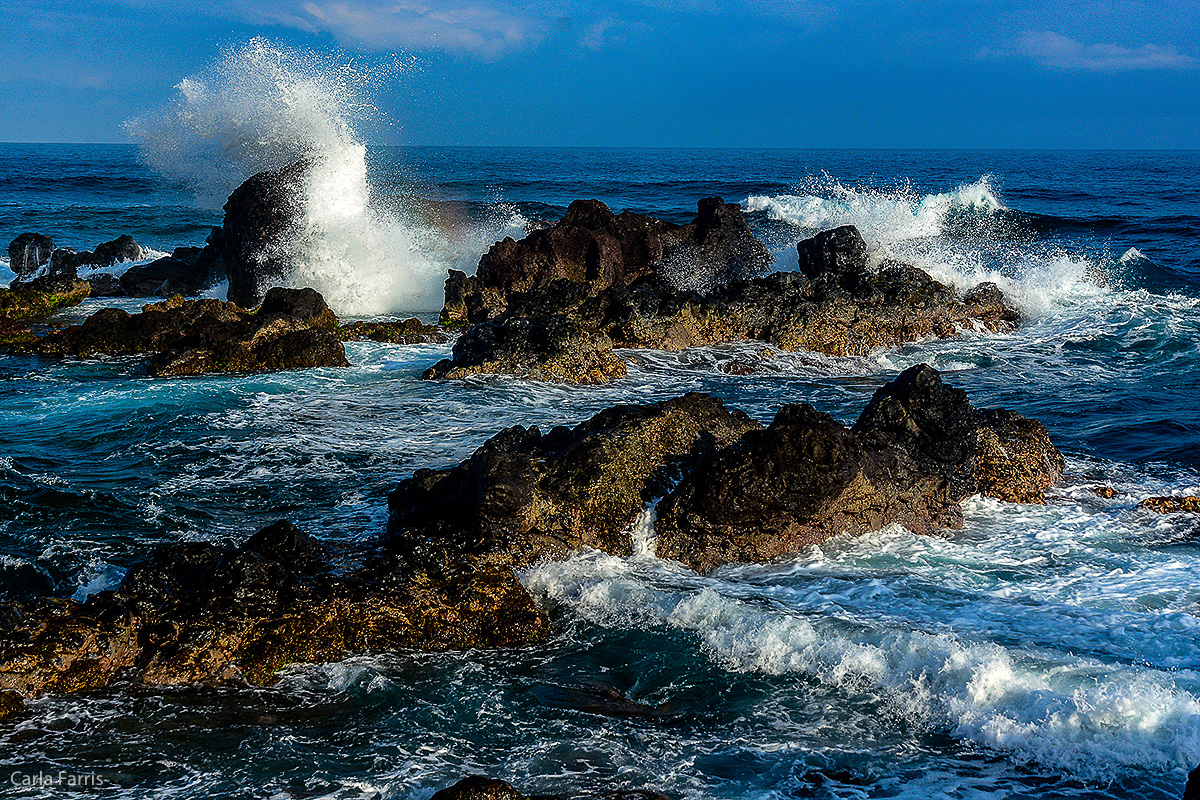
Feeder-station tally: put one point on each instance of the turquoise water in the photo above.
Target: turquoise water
(1040, 652)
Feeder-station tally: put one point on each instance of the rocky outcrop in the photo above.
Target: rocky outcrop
(199, 612)
(524, 495)
(598, 250)
(261, 231)
(293, 329)
(28, 253)
(405, 331)
(642, 296)
(546, 349)
(444, 577)
(479, 787)
(917, 450)
(65, 261)
(730, 490)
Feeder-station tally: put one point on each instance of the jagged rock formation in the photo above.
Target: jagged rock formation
(37, 298)
(405, 331)
(524, 496)
(1171, 505)
(28, 253)
(444, 575)
(641, 282)
(293, 329)
(917, 450)
(261, 231)
(744, 493)
(545, 348)
(198, 612)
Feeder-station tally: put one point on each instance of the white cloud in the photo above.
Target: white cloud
(1062, 52)
(476, 27)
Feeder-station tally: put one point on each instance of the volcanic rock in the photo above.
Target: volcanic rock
(1171, 505)
(546, 348)
(598, 250)
(293, 329)
(524, 496)
(199, 612)
(28, 253)
(835, 305)
(1015, 461)
(407, 331)
(910, 459)
(838, 256)
(261, 231)
(37, 298)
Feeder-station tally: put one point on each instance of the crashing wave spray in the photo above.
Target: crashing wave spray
(261, 106)
(962, 237)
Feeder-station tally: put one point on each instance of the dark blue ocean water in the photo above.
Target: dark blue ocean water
(1041, 652)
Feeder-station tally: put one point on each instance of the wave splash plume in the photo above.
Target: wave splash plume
(961, 237)
(261, 106)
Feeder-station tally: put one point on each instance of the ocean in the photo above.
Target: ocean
(1041, 652)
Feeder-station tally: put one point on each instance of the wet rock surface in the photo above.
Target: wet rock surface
(292, 329)
(261, 231)
(444, 575)
(1171, 505)
(28, 253)
(406, 331)
(645, 284)
(200, 612)
(32, 300)
(524, 495)
(917, 450)
(731, 491)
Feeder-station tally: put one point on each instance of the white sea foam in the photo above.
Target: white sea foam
(958, 237)
(880, 215)
(262, 106)
(859, 617)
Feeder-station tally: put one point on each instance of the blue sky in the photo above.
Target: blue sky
(772, 73)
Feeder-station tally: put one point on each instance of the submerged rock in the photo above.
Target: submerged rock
(199, 612)
(672, 288)
(293, 329)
